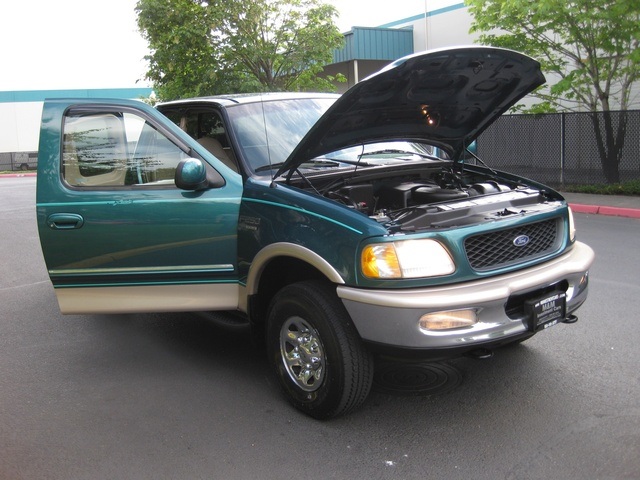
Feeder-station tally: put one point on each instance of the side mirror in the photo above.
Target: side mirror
(194, 174)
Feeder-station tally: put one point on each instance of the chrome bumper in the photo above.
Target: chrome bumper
(390, 317)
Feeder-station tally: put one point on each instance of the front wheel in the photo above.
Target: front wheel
(316, 352)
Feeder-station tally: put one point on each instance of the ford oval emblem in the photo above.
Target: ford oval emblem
(521, 240)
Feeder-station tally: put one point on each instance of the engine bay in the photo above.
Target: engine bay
(437, 198)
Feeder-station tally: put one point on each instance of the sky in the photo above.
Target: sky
(77, 44)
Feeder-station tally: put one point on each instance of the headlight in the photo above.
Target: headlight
(572, 226)
(406, 259)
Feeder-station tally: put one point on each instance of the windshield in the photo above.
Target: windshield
(267, 132)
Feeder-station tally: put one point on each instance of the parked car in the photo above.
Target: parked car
(338, 226)
(24, 161)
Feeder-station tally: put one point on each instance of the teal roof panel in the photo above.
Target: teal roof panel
(373, 43)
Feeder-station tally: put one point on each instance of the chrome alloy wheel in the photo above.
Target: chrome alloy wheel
(302, 354)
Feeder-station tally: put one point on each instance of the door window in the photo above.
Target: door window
(116, 150)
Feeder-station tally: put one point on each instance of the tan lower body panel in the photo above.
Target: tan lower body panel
(148, 298)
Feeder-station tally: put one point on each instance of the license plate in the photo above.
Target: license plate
(547, 311)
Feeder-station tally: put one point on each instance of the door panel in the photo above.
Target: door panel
(114, 218)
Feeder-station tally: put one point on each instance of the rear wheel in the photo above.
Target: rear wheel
(316, 352)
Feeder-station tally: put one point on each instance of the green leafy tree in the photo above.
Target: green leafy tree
(182, 59)
(208, 47)
(590, 51)
(283, 44)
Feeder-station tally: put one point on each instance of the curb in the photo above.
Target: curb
(602, 210)
(13, 175)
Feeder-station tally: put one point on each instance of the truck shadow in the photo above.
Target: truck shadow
(196, 347)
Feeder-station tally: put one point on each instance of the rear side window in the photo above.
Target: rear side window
(116, 149)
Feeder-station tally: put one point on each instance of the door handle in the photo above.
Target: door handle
(65, 221)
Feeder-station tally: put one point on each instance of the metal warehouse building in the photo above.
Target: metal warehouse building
(365, 51)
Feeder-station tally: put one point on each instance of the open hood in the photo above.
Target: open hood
(442, 97)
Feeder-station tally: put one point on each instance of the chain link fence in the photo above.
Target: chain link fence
(18, 161)
(557, 149)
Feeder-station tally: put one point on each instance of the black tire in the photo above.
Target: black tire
(316, 352)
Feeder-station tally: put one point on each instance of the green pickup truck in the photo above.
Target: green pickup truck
(339, 227)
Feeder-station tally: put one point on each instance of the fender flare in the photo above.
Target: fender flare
(284, 249)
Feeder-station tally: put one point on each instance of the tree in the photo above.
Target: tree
(284, 44)
(182, 59)
(221, 46)
(591, 50)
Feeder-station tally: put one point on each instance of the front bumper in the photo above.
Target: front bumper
(389, 318)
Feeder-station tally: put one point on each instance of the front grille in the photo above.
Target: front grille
(498, 249)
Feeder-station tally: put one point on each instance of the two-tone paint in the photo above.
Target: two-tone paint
(234, 245)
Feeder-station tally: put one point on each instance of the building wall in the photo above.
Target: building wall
(20, 113)
(20, 126)
(354, 71)
(442, 27)
(446, 27)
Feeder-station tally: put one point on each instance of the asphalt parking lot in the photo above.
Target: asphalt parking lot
(172, 396)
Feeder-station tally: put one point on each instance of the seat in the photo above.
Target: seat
(215, 147)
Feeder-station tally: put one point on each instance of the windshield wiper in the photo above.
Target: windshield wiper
(357, 163)
(269, 166)
(315, 163)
